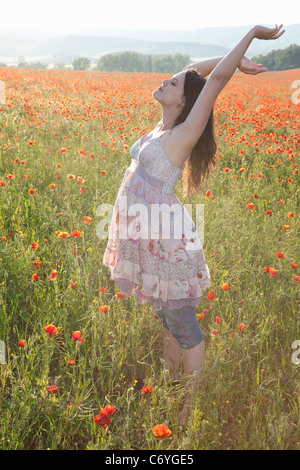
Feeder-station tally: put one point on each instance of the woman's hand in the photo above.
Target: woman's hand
(247, 66)
(261, 32)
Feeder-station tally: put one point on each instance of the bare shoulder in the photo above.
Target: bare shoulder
(174, 147)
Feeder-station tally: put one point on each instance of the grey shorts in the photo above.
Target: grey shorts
(183, 324)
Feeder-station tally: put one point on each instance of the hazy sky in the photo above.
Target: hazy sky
(64, 16)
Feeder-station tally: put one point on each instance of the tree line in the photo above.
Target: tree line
(280, 59)
(134, 62)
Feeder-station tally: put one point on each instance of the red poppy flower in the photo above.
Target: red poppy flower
(273, 272)
(161, 430)
(76, 335)
(211, 295)
(147, 389)
(52, 388)
(102, 419)
(214, 332)
(76, 233)
(104, 308)
(51, 329)
(109, 409)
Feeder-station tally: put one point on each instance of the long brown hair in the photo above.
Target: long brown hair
(203, 154)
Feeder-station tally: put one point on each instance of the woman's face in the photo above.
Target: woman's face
(171, 92)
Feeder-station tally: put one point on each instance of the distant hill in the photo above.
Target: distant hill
(70, 47)
(206, 42)
(227, 37)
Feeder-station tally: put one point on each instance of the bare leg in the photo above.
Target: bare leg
(193, 363)
(172, 355)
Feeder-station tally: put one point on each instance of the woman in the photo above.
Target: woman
(167, 267)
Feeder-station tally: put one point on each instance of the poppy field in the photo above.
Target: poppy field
(81, 364)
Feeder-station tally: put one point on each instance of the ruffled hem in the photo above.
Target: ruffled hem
(130, 289)
(147, 287)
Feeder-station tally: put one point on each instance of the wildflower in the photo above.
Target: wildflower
(225, 286)
(271, 271)
(35, 277)
(88, 220)
(22, 343)
(54, 275)
(208, 194)
(161, 430)
(120, 294)
(51, 329)
(71, 362)
(104, 308)
(109, 409)
(76, 336)
(52, 388)
(76, 233)
(72, 285)
(211, 295)
(214, 332)
(62, 234)
(147, 389)
(37, 263)
(202, 316)
(219, 320)
(242, 326)
(279, 254)
(103, 419)
(34, 245)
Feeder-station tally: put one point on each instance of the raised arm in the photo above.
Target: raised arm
(191, 129)
(205, 67)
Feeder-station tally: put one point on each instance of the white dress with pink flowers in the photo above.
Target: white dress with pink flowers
(153, 250)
